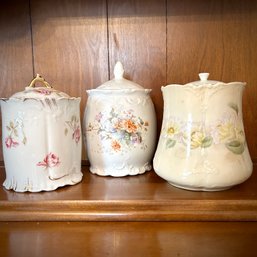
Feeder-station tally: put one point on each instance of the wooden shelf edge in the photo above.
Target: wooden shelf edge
(174, 210)
(138, 198)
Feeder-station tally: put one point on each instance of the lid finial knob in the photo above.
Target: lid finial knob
(118, 71)
(204, 76)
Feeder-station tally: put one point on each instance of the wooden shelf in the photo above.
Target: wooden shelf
(137, 198)
(127, 239)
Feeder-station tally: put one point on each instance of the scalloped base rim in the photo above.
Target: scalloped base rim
(126, 171)
(70, 180)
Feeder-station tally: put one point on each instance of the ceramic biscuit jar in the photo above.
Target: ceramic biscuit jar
(202, 145)
(119, 127)
(41, 134)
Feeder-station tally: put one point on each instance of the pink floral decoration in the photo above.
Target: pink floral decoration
(50, 161)
(98, 117)
(43, 91)
(9, 142)
(74, 124)
(76, 134)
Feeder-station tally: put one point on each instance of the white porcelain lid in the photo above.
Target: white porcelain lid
(119, 82)
(204, 80)
(39, 92)
(204, 83)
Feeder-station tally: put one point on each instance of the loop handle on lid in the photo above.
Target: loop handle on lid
(40, 79)
(118, 71)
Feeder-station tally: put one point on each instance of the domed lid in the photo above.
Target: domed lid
(119, 82)
(204, 83)
(204, 80)
(40, 93)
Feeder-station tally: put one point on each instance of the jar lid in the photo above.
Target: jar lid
(119, 83)
(40, 93)
(205, 83)
(204, 80)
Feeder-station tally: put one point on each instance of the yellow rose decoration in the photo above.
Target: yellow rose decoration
(172, 130)
(197, 138)
(226, 131)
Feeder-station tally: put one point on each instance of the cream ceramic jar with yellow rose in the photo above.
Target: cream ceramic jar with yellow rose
(202, 145)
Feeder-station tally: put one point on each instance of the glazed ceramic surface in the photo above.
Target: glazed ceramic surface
(202, 145)
(41, 134)
(119, 127)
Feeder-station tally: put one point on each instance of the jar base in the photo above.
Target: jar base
(206, 189)
(46, 184)
(120, 172)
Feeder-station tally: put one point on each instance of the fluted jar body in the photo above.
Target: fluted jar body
(41, 135)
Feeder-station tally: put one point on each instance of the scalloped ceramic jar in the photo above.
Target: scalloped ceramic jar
(119, 127)
(41, 135)
(202, 145)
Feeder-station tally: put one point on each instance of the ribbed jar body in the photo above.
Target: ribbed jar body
(41, 143)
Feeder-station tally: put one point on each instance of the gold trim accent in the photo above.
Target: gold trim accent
(40, 79)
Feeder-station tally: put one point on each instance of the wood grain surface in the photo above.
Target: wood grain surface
(75, 44)
(98, 239)
(144, 197)
(70, 44)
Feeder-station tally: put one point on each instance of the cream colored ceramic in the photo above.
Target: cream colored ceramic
(41, 134)
(202, 145)
(119, 127)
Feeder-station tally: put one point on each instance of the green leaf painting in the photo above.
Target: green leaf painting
(235, 147)
(234, 107)
(170, 143)
(207, 142)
